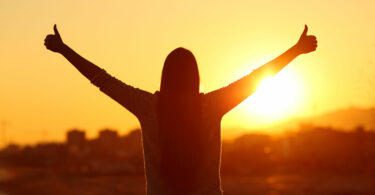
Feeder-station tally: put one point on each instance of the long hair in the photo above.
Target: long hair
(179, 114)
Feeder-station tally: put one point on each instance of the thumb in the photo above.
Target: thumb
(304, 34)
(56, 31)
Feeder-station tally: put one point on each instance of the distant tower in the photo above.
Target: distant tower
(108, 136)
(108, 141)
(75, 139)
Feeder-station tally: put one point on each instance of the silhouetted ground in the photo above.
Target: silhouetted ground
(42, 182)
(314, 160)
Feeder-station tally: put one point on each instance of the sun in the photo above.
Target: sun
(276, 98)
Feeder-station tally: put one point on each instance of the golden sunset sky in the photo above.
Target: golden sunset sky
(42, 95)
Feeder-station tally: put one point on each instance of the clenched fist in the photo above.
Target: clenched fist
(306, 43)
(54, 42)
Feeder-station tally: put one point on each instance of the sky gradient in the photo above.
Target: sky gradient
(42, 95)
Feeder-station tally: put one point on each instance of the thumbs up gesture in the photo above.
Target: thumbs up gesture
(306, 43)
(54, 42)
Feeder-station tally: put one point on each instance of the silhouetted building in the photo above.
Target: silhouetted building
(108, 136)
(76, 140)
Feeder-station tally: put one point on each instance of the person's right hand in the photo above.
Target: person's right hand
(54, 42)
(306, 43)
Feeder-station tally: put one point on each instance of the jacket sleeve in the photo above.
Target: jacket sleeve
(133, 99)
(225, 99)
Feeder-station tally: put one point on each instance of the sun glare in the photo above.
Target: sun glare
(276, 98)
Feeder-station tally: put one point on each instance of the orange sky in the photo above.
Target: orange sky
(42, 95)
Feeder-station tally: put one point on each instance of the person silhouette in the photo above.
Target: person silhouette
(180, 126)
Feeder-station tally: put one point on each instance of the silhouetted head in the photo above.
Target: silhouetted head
(180, 73)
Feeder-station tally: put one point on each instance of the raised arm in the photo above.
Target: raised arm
(133, 99)
(55, 44)
(230, 96)
(305, 44)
